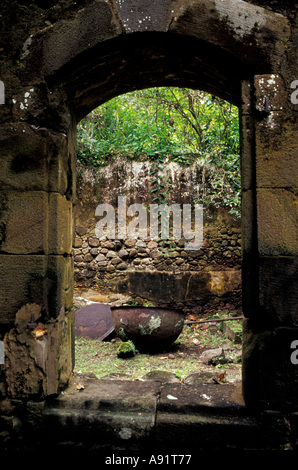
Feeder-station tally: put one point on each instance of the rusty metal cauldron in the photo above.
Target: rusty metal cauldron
(150, 329)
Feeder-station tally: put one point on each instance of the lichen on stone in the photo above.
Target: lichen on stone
(150, 325)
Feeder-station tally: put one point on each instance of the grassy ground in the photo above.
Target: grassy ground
(183, 360)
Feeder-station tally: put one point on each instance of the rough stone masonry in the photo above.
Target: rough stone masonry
(58, 61)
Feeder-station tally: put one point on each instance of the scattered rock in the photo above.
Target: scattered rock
(208, 356)
(161, 376)
(111, 268)
(152, 244)
(102, 263)
(116, 376)
(141, 244)
(200, 378)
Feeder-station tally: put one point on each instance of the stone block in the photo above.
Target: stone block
(63, 267)
(166, 287)
(270, 94)
(60, 228)
(19, 283)
(22, 163)
(25, 219)
(246, 97)
(277, 220)
(62, 352)
(128, 430)
(222, 282)
(36, 222)
(145, 16)
(278, 290)
(60, 163)
(227, 24)
(32, 159)
(202, 417)
(113, 412)
(270, 377)
(250, 299)
(276, 150)
(44, 280)
(65, 40)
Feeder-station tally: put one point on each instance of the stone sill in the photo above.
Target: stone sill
(102, 414)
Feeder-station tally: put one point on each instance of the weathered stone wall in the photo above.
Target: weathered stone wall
(59, 60)
(134, 179)
(149, 271)
(221, 251)
(111, 264)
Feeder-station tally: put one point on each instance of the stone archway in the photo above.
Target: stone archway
(70, 62)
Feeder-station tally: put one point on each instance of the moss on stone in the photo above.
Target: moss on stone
(126, 349)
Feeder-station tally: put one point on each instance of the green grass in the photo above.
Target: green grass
(100, 357)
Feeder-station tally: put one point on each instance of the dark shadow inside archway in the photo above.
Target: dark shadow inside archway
(143, 60)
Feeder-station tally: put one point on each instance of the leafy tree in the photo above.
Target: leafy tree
(177, 123)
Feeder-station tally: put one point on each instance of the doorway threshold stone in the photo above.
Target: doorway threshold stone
(132, 415)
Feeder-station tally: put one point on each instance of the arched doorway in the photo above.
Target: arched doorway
(232, 50)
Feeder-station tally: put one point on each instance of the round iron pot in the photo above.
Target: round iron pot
(150, 329)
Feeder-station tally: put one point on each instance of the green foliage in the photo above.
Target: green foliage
(168, 124)
(126, 349)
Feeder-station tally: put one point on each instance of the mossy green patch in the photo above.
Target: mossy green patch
(126, 349)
